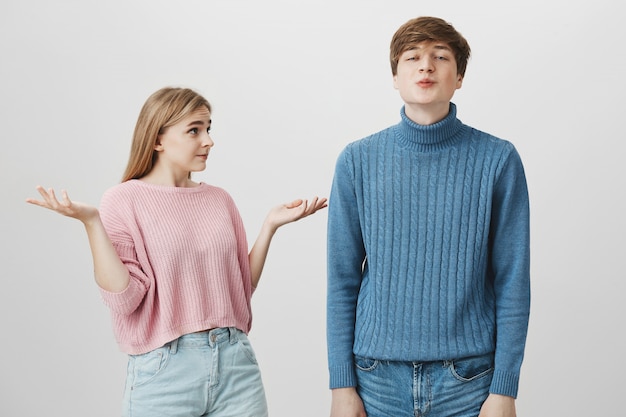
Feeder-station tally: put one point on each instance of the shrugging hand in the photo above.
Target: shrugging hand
(66, 207)
(296, 210)
(110, 273)
(278, 216)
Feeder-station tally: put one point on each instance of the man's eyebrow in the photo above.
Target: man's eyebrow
(436, 46)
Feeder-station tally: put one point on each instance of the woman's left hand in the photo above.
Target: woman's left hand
(296, 210)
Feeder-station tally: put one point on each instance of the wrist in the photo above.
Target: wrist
(269, 228)
(93, 220)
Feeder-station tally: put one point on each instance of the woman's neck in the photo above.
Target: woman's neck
(160, 177)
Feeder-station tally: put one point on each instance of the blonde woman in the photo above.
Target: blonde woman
(171, 259)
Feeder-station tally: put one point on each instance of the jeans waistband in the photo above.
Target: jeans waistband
(209, 338)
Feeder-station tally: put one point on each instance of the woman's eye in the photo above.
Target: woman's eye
(193, 131)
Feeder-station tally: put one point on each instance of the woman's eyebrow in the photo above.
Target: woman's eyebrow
(199, 123)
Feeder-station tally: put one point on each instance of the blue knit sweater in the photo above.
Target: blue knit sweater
(428, 250)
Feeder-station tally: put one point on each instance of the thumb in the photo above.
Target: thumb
(294, 203)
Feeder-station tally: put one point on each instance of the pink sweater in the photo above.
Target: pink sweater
(187, 254)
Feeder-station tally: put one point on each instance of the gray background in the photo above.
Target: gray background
(292, 82)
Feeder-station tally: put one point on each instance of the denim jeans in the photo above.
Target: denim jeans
(213, 373)
(451, 388)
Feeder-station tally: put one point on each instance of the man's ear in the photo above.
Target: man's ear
(459, 81)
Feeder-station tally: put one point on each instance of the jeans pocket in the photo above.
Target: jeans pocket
(469, 369)
(365, 364)
(147, 366)
(244, 344)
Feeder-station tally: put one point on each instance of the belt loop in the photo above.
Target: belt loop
(233, 335)
(174, 346)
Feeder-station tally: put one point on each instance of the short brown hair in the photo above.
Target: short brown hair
(164, 108)
(428, 28)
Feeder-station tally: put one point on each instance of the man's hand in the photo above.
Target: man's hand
(498, 406)
(346, 403)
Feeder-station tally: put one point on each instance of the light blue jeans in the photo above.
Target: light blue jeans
(454, 388)
(213, 373)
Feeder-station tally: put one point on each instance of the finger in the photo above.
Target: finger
(42, 192)
(317, 204)
(53, 198)
(48, 197)
(322, 203)
(36, 202)
(298, 209)
(66, 199)
(310, 207)
(294, 203)
(305, 209)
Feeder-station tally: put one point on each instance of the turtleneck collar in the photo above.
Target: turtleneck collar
(424, 138)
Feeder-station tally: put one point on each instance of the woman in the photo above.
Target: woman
(171, 260)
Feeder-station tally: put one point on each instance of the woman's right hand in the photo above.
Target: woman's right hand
(66, 207)
(110, 273)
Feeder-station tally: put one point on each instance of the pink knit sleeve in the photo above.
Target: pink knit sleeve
(242, 246)
(118, 224)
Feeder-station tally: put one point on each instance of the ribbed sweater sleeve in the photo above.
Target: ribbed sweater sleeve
(428, 250)
(509, 271)
(187, 255)
(346, 255)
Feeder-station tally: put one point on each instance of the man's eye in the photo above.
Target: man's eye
(441, 58)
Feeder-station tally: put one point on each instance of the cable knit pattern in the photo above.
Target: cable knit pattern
(187, 254)
(428, 250)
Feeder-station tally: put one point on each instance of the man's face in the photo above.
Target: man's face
(427, 76)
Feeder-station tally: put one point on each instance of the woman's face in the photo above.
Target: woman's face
(184, 147)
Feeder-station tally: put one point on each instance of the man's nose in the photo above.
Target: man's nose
(426, 65)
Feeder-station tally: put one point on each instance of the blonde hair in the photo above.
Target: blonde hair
(428, 28)
(162, 109)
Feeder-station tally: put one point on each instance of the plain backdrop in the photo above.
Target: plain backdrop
(291, 83)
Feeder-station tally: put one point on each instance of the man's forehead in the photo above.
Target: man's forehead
(429, 44)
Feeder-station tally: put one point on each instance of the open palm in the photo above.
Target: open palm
(65, 206)
(296, 210)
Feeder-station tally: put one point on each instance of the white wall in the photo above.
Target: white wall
(291, 83)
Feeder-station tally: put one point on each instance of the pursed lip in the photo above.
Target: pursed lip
(425, 82)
